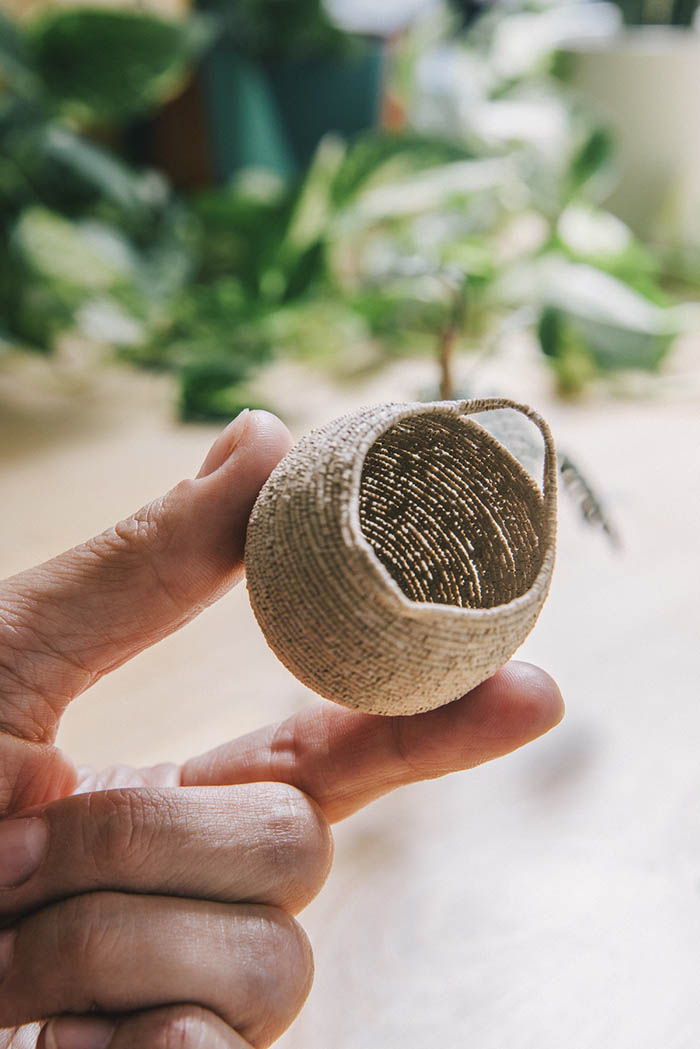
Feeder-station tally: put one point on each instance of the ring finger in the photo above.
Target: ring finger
(111, 953)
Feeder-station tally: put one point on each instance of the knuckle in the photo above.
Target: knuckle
(299, 841)
(153, 525)
(281, 979)
(86, 932)
(118, 828)
(154, 537)
(154, 531)
(64, 961)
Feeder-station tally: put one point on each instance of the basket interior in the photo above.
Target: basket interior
(453, 518)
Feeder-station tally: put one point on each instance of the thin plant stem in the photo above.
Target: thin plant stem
(447, 340)
(446, 354)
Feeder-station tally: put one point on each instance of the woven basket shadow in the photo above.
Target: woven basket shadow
(398, 556)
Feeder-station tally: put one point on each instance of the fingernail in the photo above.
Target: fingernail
(225, 444)
(22, 846)
(7, 950)
(75, 1032)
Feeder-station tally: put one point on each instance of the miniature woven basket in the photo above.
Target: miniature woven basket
(398, 556)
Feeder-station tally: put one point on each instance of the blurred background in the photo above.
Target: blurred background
(281, 204)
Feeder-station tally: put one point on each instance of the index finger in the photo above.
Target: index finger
(344, 759)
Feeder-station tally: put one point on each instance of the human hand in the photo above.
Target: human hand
(152, 908)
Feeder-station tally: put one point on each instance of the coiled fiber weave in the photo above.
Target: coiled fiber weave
(398, 556)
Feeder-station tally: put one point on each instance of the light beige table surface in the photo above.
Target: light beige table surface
(549, 900)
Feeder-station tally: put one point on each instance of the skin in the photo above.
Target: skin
(155, 907)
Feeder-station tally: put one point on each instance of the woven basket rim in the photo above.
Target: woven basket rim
(387, 587)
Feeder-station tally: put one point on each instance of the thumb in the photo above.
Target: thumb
(67, 622)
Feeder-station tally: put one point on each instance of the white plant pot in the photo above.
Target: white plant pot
(646, 83)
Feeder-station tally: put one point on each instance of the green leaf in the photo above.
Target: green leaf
(590, 159)
(112, 64)
(39, 314)
(280, 29)
(588, 312)
(241, 235)
(549, 331)
(376, 158)
(312, 207)
(317, 331)
(100, 172)
(299, 260)
(476, 187)
(303, 272)
(213, 389)
(571, 361)
(89, 258)
(169, 259)
(396, 310)
(603, 241)
(16, 69)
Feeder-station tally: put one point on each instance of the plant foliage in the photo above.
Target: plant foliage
(463, 225)
(266, 30)
(108, 65)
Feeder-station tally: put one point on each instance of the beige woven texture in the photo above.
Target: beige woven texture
(398, 556)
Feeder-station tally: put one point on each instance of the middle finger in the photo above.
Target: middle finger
(259, 842)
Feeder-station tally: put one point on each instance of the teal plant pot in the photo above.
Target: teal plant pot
(273, 115)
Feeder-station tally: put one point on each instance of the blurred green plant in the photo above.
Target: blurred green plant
(471, 224)
(545, 252)
(401, 245)
(77, 225)
(658, 12)
(269, 278)
(444, 238)
(107, 65)
(265, 30)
